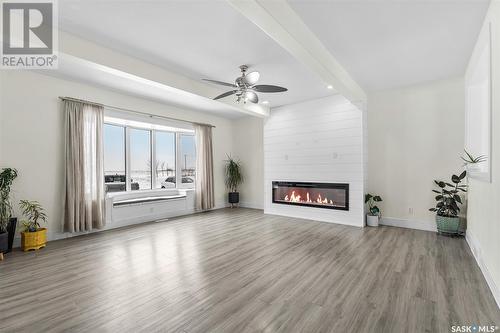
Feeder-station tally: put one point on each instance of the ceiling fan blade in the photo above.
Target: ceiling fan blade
(252, 78)
(265, 88)
(229, 93)
(252, 97)
(221, 83)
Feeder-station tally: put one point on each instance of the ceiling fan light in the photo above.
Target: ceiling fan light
(252, 78)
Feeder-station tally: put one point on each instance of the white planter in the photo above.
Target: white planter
(372, 220)
(473, 168)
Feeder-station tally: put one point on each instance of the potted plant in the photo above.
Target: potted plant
(233, 179)
(447, 201)
(33, 237)
(373, 216)
(7, 222)
(471, 162)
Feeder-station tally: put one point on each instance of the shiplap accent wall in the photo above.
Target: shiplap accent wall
(316, 141)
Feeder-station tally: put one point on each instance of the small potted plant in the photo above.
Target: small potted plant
(471, 162)
(373, 216)
(33, 237)
(7, 222)
(233, 179)
(447, 201)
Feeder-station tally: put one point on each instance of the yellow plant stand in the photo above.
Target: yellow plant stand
(34, 240)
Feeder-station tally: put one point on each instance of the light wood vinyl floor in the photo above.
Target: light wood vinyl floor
(242, 271)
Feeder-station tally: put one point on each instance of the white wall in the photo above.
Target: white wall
(483, 215)
(1, 116)
(415, 135)
(248, 146)
(318, 141)
(33, 135)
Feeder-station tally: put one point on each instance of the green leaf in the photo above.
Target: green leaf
(439, 197)
(377, 198)
(455, 179)
(462, 175)
(368, 196)
(436, 191)
(457, 198)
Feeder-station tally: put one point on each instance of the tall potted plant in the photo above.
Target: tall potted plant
(233, 179)
(7, 222)
(447, 204)
(373, 215)
(33, 237)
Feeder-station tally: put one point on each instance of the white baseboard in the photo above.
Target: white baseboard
(477, 253)
(409, 224)
(252, 205)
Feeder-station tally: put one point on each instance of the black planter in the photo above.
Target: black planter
(4, 242)
(233, 197)
(11, 230)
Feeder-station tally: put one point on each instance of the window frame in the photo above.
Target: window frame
(152, 147)
(178, 163)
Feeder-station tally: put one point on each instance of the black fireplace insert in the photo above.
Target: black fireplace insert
(319, 195)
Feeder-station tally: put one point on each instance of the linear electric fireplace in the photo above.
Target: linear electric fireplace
(320, 195)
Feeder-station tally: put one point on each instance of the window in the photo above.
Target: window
(140, 159)
(143, 156)
(114, 158)
(187, 159)
(165, 160)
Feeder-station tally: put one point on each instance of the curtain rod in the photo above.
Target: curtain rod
(131, 111)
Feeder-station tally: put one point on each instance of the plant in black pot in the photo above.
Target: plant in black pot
(7, 222)
(447, 204)
(234, 178)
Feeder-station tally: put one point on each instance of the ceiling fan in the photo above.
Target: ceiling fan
(245, 87)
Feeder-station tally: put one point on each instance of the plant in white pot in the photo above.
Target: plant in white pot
(471, 163)
(373, 216)
(447, 204)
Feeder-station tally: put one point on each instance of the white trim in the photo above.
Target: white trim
(483, 44)
(252, 205)
(477, 253)
(409, 224)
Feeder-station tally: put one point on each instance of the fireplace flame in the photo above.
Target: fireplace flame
(293, 197)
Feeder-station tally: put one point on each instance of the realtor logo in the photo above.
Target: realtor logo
(29, 38)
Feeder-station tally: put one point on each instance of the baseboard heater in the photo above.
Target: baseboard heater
(137, 201)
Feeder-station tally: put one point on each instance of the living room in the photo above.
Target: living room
(249, 166)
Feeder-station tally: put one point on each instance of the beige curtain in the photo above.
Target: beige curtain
(204, 188)
(84, 186)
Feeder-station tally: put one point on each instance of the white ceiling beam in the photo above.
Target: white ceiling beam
(278, 20)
